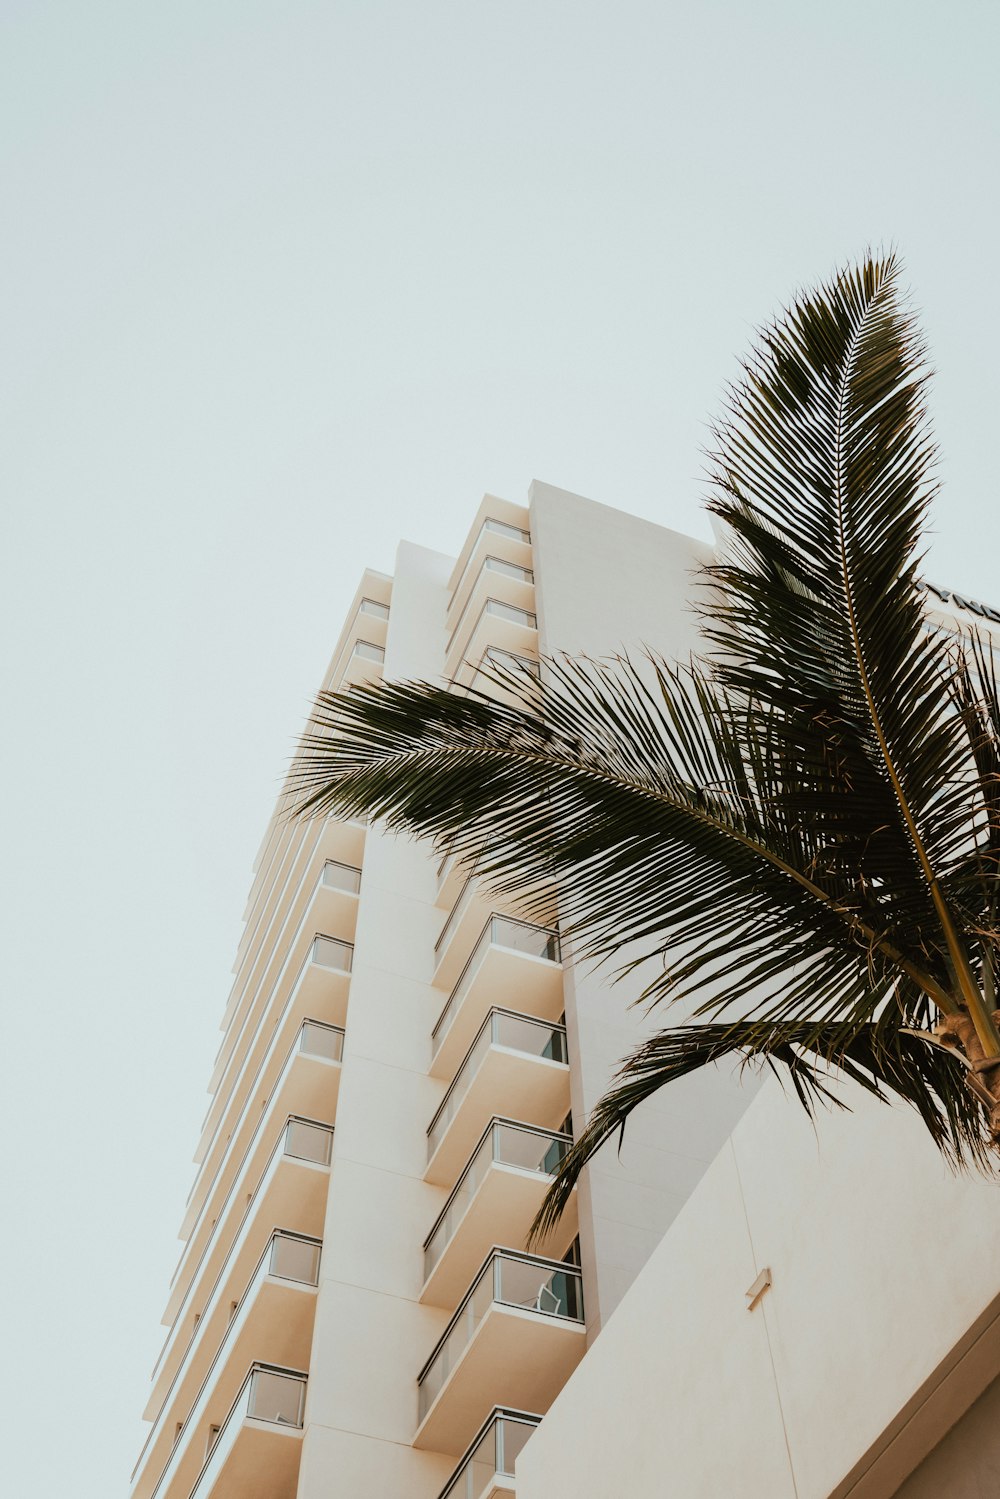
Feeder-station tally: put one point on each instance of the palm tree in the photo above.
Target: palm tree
(803, 824)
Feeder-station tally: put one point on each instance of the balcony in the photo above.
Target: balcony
(288, 887)
(504, 582)
(335, 904)
(326, 975)
(514, 1341)
(257, 1451)
(273, 1317)
(367, 628)
(452, 873)
(494, 1201)
(498, 626)
(291, 1190)
(313, 979)
(515, 1063)
(364, 664)
(495, 538)
(487, 1469)
(491, 673)
(461, 925)
(510, 957)
(306, 1081)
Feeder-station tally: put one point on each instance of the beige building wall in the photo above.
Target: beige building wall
(880, 1329)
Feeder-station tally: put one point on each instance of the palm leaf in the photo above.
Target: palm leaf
(823, 474)
(887, 1063)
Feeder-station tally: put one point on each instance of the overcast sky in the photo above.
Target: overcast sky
(284, 282)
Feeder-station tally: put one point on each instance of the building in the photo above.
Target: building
(401, 1064)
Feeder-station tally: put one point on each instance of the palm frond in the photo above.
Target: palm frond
(823, 474)
(636, 798)
(885, 1062)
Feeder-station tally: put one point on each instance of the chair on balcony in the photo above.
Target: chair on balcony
(545, 1301)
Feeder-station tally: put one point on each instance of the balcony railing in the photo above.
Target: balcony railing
(317, 1039)
(445, 866)
(495, 666)
(510, 661)
(504, 528)
(341, 877)
(300, 1140)
(305, 1140)
(498, 528)
(506, 1028)
(495, 608)
(497, 565)
(330, 952)
(289, 1257)
(549, 1288)
(367, 650)
(373, 607)
(508, 569)
(492, 1454)
(454, 916)
(511, 613)
(295, 1257)
(499, 931)
(271, 1395)
(314, 1039)
(504, 1144)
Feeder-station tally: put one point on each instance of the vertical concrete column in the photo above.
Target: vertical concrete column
(372, 1335)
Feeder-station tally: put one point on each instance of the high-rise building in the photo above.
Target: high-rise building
(402, 1061)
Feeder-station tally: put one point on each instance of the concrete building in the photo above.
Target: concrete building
(401, 1064)
(353, 1311)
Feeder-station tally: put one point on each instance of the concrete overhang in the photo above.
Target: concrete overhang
(506, 1082)
(501, 1212)
(516, 1357)
(502, 977)
(290, 1194)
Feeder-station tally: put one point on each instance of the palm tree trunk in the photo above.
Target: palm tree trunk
(961, 1030)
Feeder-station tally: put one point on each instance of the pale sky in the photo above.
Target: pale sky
(282, 283)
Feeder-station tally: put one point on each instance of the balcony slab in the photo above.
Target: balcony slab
(501, 1212)
(507, 1082)
(504, 978)
(517, 1358)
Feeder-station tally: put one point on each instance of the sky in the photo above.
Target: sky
(281, 284)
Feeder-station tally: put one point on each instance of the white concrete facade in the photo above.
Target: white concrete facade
(401, 1056)
(877, 1340)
